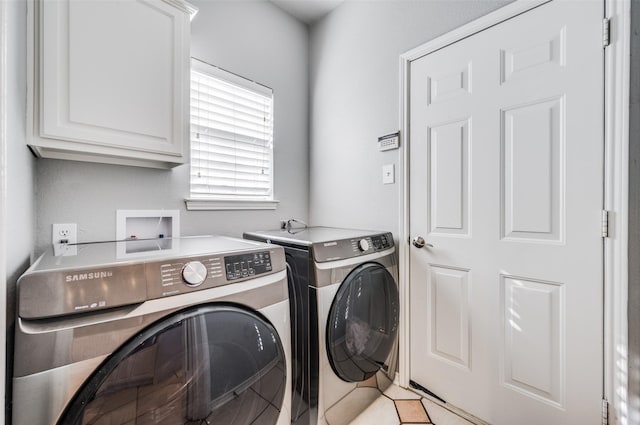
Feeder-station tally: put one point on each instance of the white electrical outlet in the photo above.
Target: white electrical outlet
(64, 233)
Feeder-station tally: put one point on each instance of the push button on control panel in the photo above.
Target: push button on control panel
(246, 265)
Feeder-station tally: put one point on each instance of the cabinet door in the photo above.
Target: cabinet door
(114, 78)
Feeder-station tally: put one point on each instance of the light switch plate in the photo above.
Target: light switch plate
(388, 174)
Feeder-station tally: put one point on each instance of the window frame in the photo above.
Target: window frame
(221, 202)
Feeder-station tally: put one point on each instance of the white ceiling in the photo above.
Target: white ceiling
(307, 11)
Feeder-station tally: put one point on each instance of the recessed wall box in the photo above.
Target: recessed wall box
(147, 224)
(388, 142)
(158, 226)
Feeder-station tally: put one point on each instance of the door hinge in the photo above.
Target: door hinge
(605, 412)
(605, 223)
(606, 32)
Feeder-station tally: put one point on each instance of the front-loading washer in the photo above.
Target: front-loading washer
(345, 327)
(168, 331)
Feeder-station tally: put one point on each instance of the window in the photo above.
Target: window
(231, 140)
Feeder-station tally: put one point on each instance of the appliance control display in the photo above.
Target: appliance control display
(245, 265)
(194, 273)
(381, 242)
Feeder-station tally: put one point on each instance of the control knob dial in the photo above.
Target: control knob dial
(194, 273)
(363, 244)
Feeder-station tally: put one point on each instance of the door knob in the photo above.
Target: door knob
(419, 242)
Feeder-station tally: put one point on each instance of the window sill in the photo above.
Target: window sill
(228, 205)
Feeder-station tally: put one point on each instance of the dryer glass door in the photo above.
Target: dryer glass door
(214, 364)
(363, 323)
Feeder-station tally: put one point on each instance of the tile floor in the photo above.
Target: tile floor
(397, 406)
(390, 405)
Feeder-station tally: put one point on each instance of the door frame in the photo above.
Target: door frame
(3, 203)
(616, 184)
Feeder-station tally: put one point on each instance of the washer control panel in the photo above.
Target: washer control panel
(245, 265)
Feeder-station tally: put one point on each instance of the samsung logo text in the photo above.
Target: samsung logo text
(87, 276)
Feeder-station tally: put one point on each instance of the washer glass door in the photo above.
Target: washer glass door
(214, 364)
(363, 323)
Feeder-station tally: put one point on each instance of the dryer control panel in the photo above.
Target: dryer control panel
(353, 247)
(372, 243)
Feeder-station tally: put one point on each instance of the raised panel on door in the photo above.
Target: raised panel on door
(449, 307)
(448, 159)
(449, 84)
(522, 59)
(533, 340)
(533, 170)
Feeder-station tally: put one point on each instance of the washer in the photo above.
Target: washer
(345, 312)
(168, 331)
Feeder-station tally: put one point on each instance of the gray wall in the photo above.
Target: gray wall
(634, 221)
(20, 169)
(252, 38)
(354, 99)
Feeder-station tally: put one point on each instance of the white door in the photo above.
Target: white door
(506, 177)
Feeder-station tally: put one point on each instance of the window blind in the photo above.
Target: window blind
(231, 136)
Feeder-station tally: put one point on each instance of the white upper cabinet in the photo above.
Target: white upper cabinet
(110, 81)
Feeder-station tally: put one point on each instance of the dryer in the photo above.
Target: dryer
(171, 331)
(345, 325)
